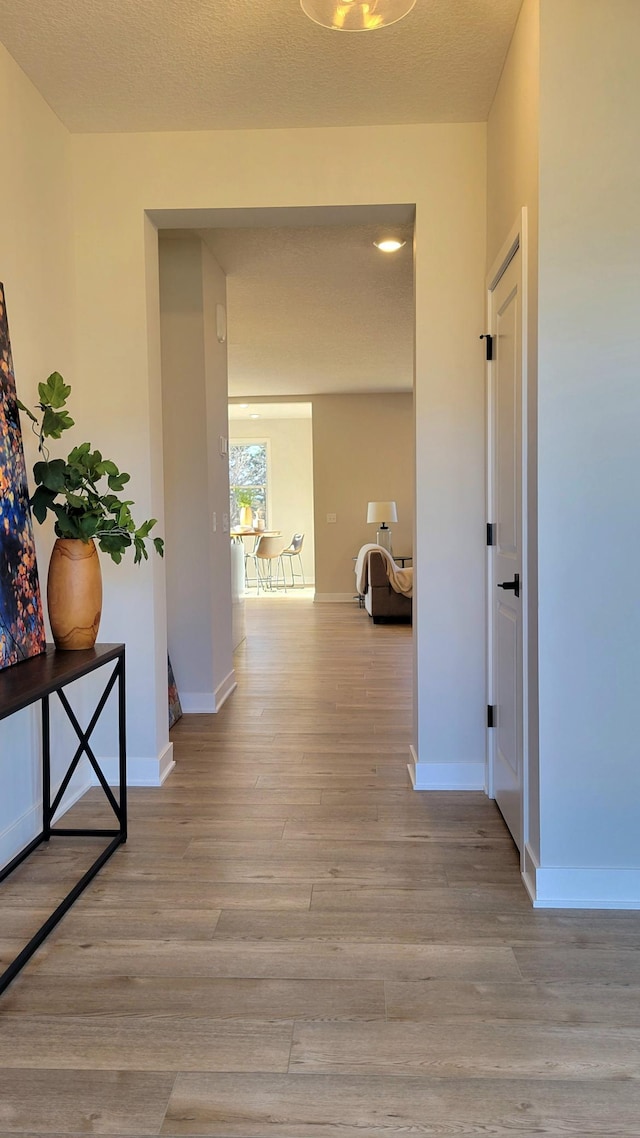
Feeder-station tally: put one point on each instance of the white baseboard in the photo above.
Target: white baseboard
(580, 887)
(445, 776)
(529, 870)
(224, 689)
(336, 598)
(16, 836)
(207, 702)
(140, 771)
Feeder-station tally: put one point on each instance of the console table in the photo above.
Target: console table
(36, 680)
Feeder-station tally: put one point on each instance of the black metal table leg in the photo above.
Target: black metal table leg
(41, 677)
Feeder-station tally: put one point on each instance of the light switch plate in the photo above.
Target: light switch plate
(332, 517)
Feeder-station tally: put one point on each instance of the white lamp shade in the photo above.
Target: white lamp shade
(382, 512)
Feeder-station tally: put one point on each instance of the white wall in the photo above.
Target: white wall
(449, 422)
(291, 478)
(589, 457)
(512, 182)
(214, 292)
(442, 169)
(194, 395)
(36, 267)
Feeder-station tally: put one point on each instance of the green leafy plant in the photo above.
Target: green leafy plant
(244, 496)
(69, 487)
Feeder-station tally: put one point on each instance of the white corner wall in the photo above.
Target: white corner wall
(589, 454)
(442, 170)
(194, 402)
(214, 292)
(512, 182)
(36, 268)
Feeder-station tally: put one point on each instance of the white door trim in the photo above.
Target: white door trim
(516, 240)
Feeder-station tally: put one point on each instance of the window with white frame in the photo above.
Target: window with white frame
(248, 477)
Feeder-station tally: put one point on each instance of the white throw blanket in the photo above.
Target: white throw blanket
(401, 580)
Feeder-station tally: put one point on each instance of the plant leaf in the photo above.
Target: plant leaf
(118, 481)
(26, 411)
(77, 452)
(55, 422)
(75, 501)
(55, 391)
(107, 467)
(41, 502)
(146, 527)
(51, 474)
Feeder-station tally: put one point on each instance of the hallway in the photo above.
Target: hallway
(294, 943)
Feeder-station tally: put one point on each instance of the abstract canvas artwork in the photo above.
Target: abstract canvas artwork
(175, 707)
(21, 621)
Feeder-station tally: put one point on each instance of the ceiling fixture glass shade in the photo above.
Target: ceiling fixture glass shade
(356, 15)
(389, 244)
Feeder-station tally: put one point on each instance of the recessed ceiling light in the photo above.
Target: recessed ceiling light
(243, 404)
(389, 244)
(254, 416)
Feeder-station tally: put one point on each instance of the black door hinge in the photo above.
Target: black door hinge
(491, 715)
(489, 344)
(491, 533)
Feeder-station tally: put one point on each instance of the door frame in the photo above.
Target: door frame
(517, 241)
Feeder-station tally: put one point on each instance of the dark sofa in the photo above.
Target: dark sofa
(380, 600)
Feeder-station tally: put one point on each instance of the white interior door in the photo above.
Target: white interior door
(505, 575)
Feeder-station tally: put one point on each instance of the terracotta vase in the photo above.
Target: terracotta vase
(74, 593)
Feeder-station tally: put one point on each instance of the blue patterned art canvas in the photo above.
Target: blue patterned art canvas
(21, 620)
(175, 707)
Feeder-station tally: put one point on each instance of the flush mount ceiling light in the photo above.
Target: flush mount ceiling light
(356, 15)
(389, 244)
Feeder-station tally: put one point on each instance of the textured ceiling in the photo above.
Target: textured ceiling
(315, 310)
(137, 65)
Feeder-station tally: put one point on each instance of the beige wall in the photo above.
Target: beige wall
(442, 170)
(512, 182)
(350, 432)
(291, 478)
(363, 451)
(194, 401)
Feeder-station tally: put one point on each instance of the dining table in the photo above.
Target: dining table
(238, 533)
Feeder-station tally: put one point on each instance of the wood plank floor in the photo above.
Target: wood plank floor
(294, 944)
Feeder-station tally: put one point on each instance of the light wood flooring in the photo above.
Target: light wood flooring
(294, 944)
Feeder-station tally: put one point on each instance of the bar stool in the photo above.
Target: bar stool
(295, 550)
(269, 550)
